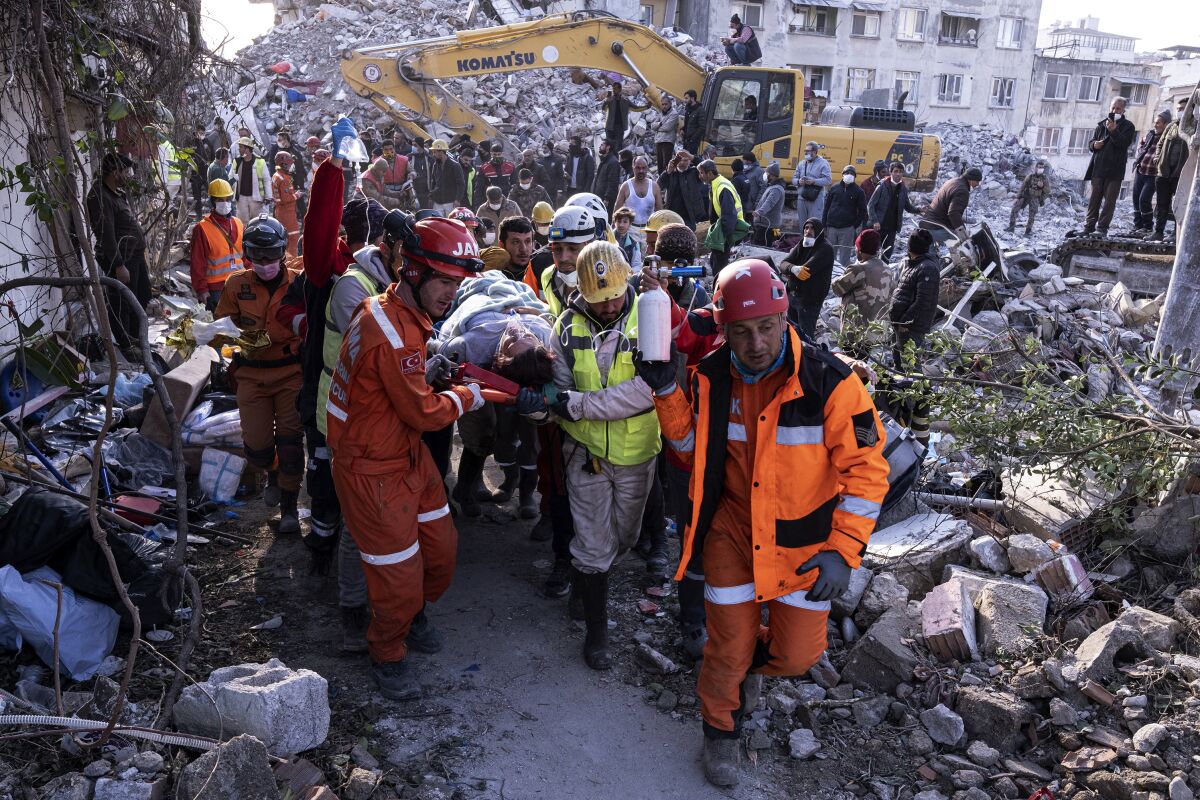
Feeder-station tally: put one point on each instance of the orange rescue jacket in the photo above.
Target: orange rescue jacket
(223, 254)
(254, 307)
(818, 474)
(379, 403)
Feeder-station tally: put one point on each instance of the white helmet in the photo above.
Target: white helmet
(591, 202)
(575, 224)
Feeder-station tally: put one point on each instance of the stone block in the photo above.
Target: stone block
(847, 603)
(803, 744)
(916, 550)
(881, 660)
(943, 725)
(112, 789)
(237, 770)
(1149, 737)
(948, 623)
(1158, 630)
(1168, 531)
(1027, 552)
(884, 592)
(989, 554)
(1009, 615)
(184, 386)
(288, 710)
(996, 717)
(71, 786)
(1096, 656)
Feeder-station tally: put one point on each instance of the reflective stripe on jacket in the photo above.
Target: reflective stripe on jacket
(331, 345)
(224, 254)
(818, 473)
(254, 306)
(719, 184)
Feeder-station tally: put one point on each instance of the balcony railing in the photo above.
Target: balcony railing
(958, 41)
(812, 30)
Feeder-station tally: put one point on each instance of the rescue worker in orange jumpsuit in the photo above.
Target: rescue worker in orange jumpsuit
(268, 377)
(380, 402)
(788, 477)
(216, 248)
(286, 198)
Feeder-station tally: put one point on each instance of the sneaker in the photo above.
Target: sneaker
(396, 680)
(720, 761)
(559, 582)
(1157, 236)
(355, 621)
(423, 637)
(694, 639)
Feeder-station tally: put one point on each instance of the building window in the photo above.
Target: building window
(1056, 86)
(1048, 140)
(858, 80)
(1003, 90)
(1135, 93)
(910, 24)
(817, 20)
(816, 79)
(962, 31)
(1089, 89)
(750, 13)
(1077, 145)
(949, 89)
(647, 16)
(865, 24)
(907, 82)
(1010, 32)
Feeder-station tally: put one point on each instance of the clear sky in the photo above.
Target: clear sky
(239, 20)
(1156, 23)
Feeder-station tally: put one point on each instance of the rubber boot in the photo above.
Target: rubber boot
(659, 558)
(289, 516)
(594, 590)
(396, 680)
(559, 582)
(528, 504)
(355, 620)
(423, 637)
(720, 761)
(575, 602)
(512, 476)
(271, 493)
(470, 471)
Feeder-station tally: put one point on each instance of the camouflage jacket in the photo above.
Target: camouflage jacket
(867, 285)
(1035, 187)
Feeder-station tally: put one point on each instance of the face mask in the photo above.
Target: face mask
(1118, 117)
(543, 230)
(266, 271)
(809, 241)
(571, 279)
(847, 179)
(223, 207)
(497, 159)
(489, 238)
(494, 206)
(1040, 170)
(809, 156)
(526, 185)
(733, 31)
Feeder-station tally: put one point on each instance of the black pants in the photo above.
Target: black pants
(718, 259)
(326, 511)
(691, 588)
(654, 514)
(123, 318)
(887, 243)
(803, 315)
(1164, 190)
(664, 151)
(1143, 201)
(440, 443)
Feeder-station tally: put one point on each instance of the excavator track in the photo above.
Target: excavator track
(1143, 266)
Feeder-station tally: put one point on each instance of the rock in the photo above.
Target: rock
(783, 703)
(361, 784)
(667, 700)
(97, 769)
(148, 761)
(1044, 272)
(929, 794)
(917, 549)
(1062, 714)
(871, 711)
(1148, 737)
(1178, 789)
(1110, 786)
(803, 744)
(1157, 630)
(237, 770)
(948, 623)
(71, 786)
(654, 661)
(965, 778)
(983, 754)
(760, 740)
(110, 789)
(1168, 531)
(881, 659)
(1095, 656)
(996, 717)
(363, 758)
(944, 726)
(1007, 614)
(883, 593)
(847, 603)
(989, 554)
(919, 743)
(1027, 552)
(340, 12)
(288, 710)
(809, 693)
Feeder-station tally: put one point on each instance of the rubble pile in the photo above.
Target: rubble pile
(530, 107)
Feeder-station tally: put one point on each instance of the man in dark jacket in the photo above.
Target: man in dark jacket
(1172, 156)
(120, 246)
(498, 171)
(1033, 192)
(446, 181)
(944, 217)
(844, 215)
(608, 176)
(1145, 171)
(529, 161)
(420, 166)
(914, 308)
(693, 123)
(1110, 151)
(617, 106)
(878, 176)
(885, 209)
(580, 168)
(741, 181)
(808, 272)
(683, 191)
(553, 168)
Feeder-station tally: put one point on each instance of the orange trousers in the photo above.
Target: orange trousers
(398, 516)
(738, 642)
(272, 435)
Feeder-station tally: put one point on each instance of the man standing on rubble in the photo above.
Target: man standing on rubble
(1171, 157)
(811, 177)
(381, 399)
(446, 182)
(866, 291)
(914, 309)
(252, 181)
(727, 222)
(885, 209)
(215, 251)
(580, 168)
(844, 215)
(617, 107)
(808, 271)
(765, 408)
(666, 132)
(608, 176)
(944, 216)
(420, 166)
(1110, 151)
(1032, 194)
(693, 122)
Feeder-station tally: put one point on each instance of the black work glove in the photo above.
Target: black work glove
(321, 550)
(561, 407)
(530, 401)
(660, 376)
(439, 369)
(832, 579)
(701, 322)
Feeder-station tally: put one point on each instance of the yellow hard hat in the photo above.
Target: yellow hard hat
(543, 214)
(246, 141)
(663, 217)
(603, 272)
(495, 258)
(439, 144)
(220, 188)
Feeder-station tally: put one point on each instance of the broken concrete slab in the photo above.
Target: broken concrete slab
(847, 603)
(1010, 616)
(288, 710)
(975, 581)
(916, 550)
(237, 770)
(883, 593)
(1096, 657)
(948, 623)
(943, 725)
(1065, 579)
(1027, 552)
(1169, 531)
(1047, 505)
(881, 659)
(990, 554)
(112, 789)
(995, 717)
(1158, 630)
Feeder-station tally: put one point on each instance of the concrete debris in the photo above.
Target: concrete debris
(983, 754)
(803, 744)
(654, 661)
(112, 789)
(884, 592)
(1010, 615)
(882, 659)
(237, 770)
(1027, 552)
(1170, 531)
(916, 550)
(1062, 714)
(990, 554)
(872, 711)
(996, 717)
(288, 710)
(361, 784)
(943, 725)
(847, 603)
(1147, 738)
(948, 623)
(1065, 578)
(1157, 630)
(1096, 658)
(71, 786)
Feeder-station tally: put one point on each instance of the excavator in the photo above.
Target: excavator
(406, 82)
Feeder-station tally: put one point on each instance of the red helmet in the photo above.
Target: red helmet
(747, 289)
(321, 156)
(464, 215)
(312, 141)
(442, 245)
(284, 157)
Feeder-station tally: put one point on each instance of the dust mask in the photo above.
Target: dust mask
(809, 241)
(1040, 170)
(571, 279)
(223, 207)
(494, 206)
(733, 31)
(1118, 117)
(525, 185)
(267, 271)
(489, 238)
(847, 179)
(543, 230)
(809, 156)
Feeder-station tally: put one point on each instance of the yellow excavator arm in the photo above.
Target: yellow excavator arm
(404, 80)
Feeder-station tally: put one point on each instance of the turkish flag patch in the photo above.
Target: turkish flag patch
(865, 432)
(412, 364)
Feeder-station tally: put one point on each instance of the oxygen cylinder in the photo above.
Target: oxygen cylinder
(654, 325)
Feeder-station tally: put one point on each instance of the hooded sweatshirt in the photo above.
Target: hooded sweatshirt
(819, 260)
(348, 293)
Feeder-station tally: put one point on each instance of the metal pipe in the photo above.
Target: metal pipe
(960, 501)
